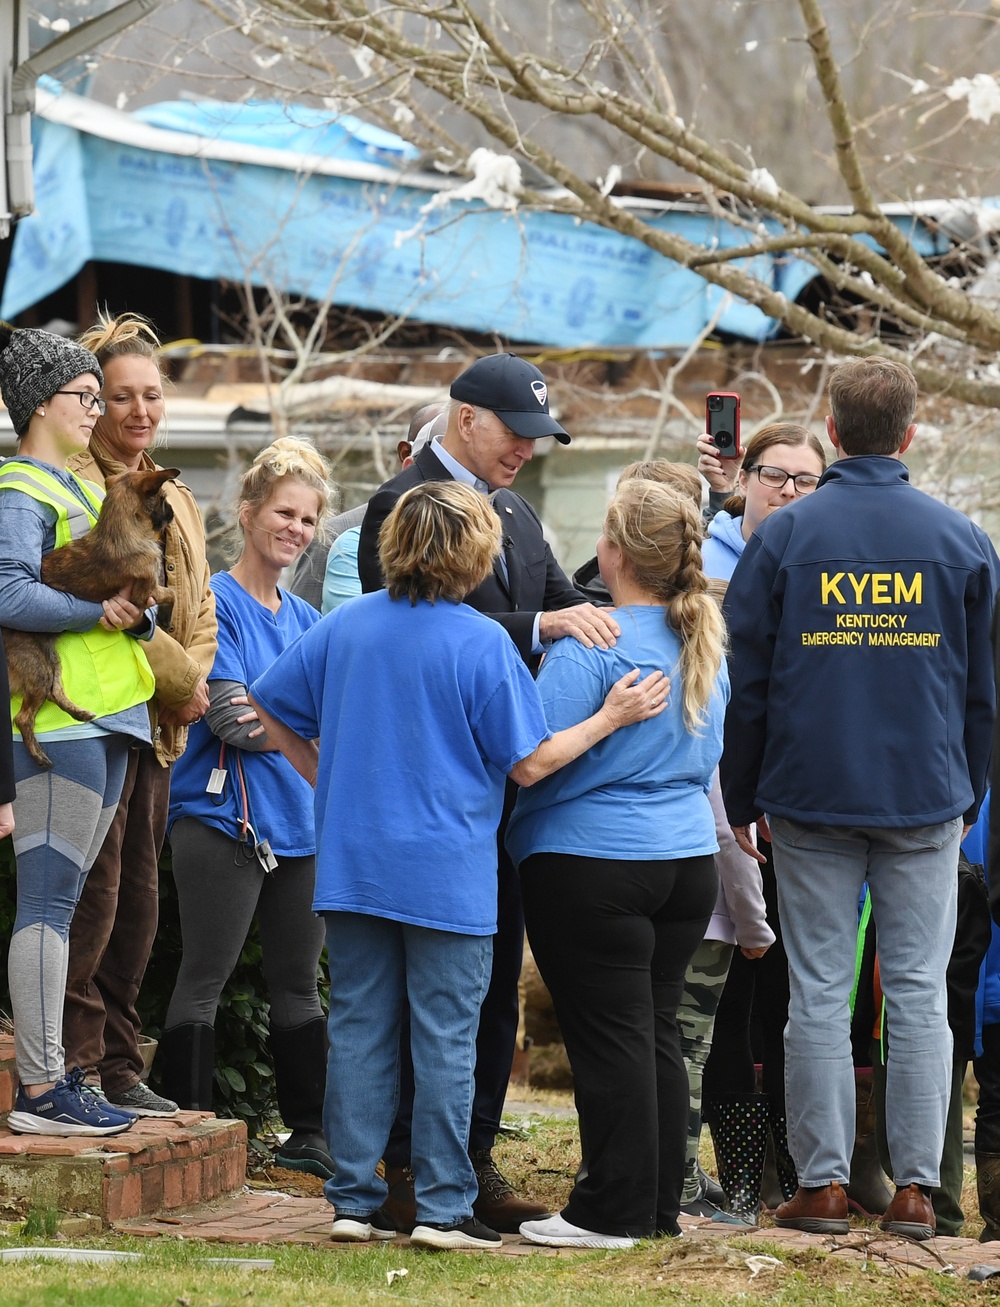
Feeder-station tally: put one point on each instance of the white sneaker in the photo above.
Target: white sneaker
(558, 1233)
(362, 1229)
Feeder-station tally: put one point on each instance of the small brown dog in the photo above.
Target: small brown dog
(122, 549)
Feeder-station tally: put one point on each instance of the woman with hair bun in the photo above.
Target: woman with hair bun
(115, 921)
(241, 820)
(617, 869)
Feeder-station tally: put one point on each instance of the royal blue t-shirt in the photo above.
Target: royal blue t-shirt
(641, 792)
(421, 711)
(281, 803)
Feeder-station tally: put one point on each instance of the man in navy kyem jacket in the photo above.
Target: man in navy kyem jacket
(860, 719)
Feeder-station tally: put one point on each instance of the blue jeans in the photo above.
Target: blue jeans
(375, 965)
(912, 876)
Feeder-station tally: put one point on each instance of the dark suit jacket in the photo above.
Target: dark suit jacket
(535, 582)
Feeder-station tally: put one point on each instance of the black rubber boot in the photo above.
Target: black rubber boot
(788, 1179)
(739, 1136)
(186, 1062)
(300, 1081)
(988, 1184)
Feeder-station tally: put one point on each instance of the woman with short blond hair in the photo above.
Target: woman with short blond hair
(422, 708)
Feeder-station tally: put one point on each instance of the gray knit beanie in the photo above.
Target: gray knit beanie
(34, 365)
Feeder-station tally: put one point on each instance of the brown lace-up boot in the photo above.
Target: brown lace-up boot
(498, 1206)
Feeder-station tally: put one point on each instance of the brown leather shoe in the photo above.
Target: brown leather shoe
(910, 1213)
(817, 1211)
(400, 1204)
(498, 1206)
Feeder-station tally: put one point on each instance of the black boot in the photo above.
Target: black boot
(186, 1061)
(788, 1180)
(988, 1184)
(739, 1135)
(300, 1081)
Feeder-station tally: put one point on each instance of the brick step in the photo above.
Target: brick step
(159, 1165)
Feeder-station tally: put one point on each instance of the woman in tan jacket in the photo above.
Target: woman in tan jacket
(116, 919)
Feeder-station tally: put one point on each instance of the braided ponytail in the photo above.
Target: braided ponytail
(659, 533)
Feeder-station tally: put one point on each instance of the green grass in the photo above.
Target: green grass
(709, 1275)
(706, 1272)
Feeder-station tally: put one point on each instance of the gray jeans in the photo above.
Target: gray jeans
(912, 875)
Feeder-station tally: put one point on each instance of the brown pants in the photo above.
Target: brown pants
(113, 930)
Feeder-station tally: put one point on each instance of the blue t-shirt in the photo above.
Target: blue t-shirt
(341, 581)
(281, 803)
(421, 712)
(642, 792)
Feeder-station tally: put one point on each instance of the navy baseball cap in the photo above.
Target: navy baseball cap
(514, 390)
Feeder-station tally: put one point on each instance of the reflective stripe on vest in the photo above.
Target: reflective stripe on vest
(73, 520)
(102, 671)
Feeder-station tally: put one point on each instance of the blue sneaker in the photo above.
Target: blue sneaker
(68, 1108)
(97, 1096)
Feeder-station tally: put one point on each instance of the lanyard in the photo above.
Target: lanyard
(248, 846)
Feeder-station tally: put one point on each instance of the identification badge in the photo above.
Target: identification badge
(265, 856)
(217, 781)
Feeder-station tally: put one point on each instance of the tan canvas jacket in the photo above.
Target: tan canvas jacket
(182, 652)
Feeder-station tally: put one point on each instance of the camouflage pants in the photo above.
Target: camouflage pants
(703, 985)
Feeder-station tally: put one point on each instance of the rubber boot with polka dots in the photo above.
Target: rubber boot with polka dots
(739, 1136)
(787, 1176)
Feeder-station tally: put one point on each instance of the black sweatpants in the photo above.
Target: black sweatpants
(612, 940)
(752, 1015)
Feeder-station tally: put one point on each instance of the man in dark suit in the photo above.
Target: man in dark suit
(498, 409)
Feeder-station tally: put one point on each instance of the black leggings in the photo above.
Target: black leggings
(612, 940)
(752, 1016)
(217, 902)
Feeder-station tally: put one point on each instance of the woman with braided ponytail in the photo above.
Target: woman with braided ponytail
(618, 874)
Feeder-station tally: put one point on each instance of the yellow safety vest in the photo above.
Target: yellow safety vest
(102, 671)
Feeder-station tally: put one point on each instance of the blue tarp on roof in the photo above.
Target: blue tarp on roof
(281, 127)
(108, 187)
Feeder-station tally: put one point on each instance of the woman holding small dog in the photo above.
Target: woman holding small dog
(116, 918)
(241, 819)
(51, 388)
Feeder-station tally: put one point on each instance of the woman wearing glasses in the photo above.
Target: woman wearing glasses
(50, 386)
(781, 462)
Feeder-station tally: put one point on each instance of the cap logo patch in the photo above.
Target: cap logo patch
(541, 391)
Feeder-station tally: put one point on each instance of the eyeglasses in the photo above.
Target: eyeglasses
(775, 479)
(88, 399)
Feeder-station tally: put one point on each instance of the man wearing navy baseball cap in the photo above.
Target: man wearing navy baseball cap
(498, 408)
(514, 390)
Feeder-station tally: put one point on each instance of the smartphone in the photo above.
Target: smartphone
(722, 422)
